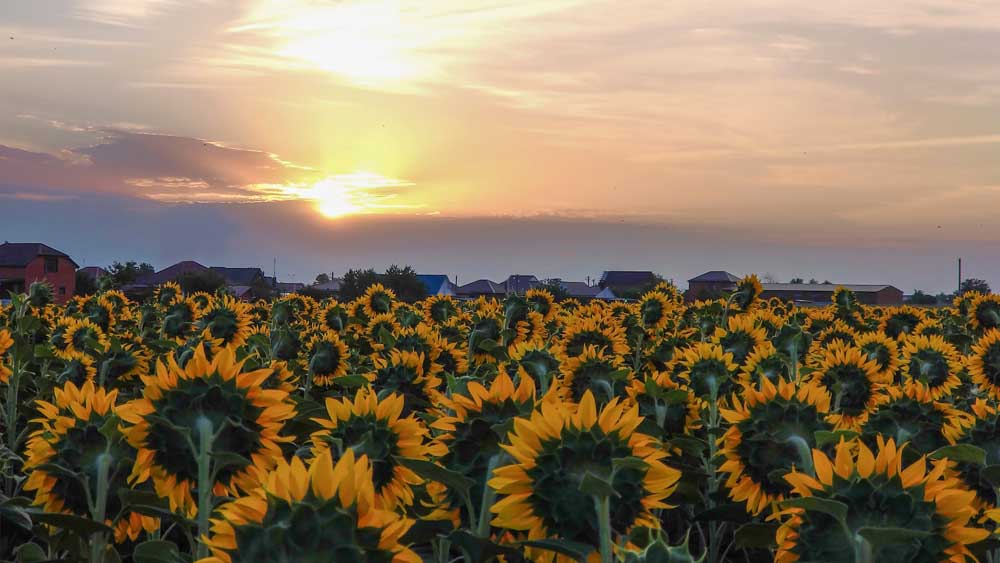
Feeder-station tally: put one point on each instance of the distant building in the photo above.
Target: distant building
(481, 288)
(288, 288)
(437, 284)
(93, 272)
(624, 281)
(822, 293)
(241, 282)
(518, 284)
(710, 285)
(22, 264)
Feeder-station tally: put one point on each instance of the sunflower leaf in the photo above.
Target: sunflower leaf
(156, 551)
(434, 472)
(834, 508)
(477, 549)
(966, 453)
(78, 524)
(888, 536)
(754, 535)
(30, 553)
(831, 438)
(630, 462)
(576, 550)
(597, 486)
(350, 381)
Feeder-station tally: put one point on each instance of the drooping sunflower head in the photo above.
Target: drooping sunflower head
(878, 492)
(765, 362)
(440, 308)
(852, 380)
(740, 337)
(984, 433)
(78, 433)
(900, 321)
(378, 300)
(592, 371)
(912, 415)
(166, 294)
(327, 512)
(369, 426)
(554, 449)
(178, 319)
(379, 326)
(73, 367)
(531, 328)
(403, 372)
(709, 369)
(127, 358)
(845, 302)
(984, 311)
(452, 357)
(590, 331)
(884, 351)
(984, 363)
(421, 339)
(227, 320)
(543, 302)
(930, 362)
(772, 429)
(202, 301)
(333, 316)
(838, 330)
(326, 357)
(655, 310)
(83, 336)
(179, 405)
(532, 360)
(408, 315)
(747, 292)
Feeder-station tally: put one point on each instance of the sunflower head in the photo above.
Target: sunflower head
(179, 404)
(592, 371)
(900, 321)
(984, 362)
(655, 310)
(669, 407)
(884, 351)
(740, 337)
(747, 292)
(378, 300)
(877, 491)
(709, 369)
(555, 449)
(591, 331)
(984, 311)
(765, 362)
(166, 294)
(852, 380)
(532, 360)
(227, 320)
(327, 357)
(440, 308)
(929, 361)
(912, 415)
(543, 302)
(326, 512)
(403, 372)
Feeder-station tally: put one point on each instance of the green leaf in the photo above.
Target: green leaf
(991, 473)
(385, 338)
(576, 550)
(834, 508)
(688, 444)
(756, 535)
(350, 381)
(156, 551)
(630, 462)
(434, 472)
(965, 453)
(30, 553)
(488, 345)
(827, 438)
(78, 524)
(597, 486)
(888, 536)
(675, 397)
(477, 549)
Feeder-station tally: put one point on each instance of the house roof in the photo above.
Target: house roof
(171, 273)
(520, 282)
(332, 285)
(481, 287)
(715, 276)
(289, 287)
(628, 278)
(434, 282)
(855, 287)
(93, 272)
(580, 289)
(20, 254)
(238, 276)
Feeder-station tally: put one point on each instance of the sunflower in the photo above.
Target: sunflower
(440, 308)
(373, 427)
(327, 512)
(542, 301)
(176, 402)
(900, 321)
(838, 330)
(669, 407)
(403, 372)
(554, 449)
(532, 360)
(771, 428)
(852, 380)
(709, 369)
(179, 319)
(530, 328)
(929, 361)
(74, 434)
(474, 429)
(166, 294)
(984, 311)
(378, 326)
(912, 415)
(227, 320)
(592, 371)
(747, 292)
(765, 362)
(77, 368)
(326, 357)
(877, 491)
(83, 336)
(6, 342)
(127, 358)
(655, 311)
(740, 337)
(377, 300)
(983, 433)
(408, 315)
(420, 339)
(202, 301)
(333, 316)
(984, 362)
(884, 351)
(452, 358)
(581, 332)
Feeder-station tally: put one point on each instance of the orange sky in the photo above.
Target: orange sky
(844, 122)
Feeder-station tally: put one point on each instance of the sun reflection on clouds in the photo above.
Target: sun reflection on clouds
(344, 194)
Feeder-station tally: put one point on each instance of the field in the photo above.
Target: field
(201, 428)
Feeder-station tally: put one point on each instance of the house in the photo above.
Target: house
(624, 281)
(168, 274)
(93, 272)
(710, 285)
(822, 293)
(288, 288)
(241, 276)
(520, 283)
(239, 281)
(481, 288)
(437, 284)
(22, 264)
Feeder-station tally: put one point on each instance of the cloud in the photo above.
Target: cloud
(122, 12)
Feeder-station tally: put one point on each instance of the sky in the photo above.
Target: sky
(853, 141)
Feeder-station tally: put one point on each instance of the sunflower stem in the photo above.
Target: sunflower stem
(713, 483)
(205, 435)
(483, 529)
(99, 509)
(604, 528)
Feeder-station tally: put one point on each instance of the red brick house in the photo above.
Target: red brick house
(22, 264)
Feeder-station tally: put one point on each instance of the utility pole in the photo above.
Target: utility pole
(959, 292)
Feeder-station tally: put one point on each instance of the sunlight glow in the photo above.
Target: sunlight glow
(343, 194)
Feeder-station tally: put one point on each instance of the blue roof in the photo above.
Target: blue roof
(433, 282)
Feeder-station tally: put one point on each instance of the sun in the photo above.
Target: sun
(333, 199)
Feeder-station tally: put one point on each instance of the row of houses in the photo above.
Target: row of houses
(439, 284)
(719, 282)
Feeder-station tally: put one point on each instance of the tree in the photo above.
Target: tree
(261, 289)
(355, 283)
(127, 273)
(322, 278)
(974, 284)
(85, 284)
(768, 277)
(813, 280)
(208, 281)
(555, 287)
(405, 283)
(796, 280)
(921, 298)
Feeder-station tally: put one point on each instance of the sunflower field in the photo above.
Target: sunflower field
(202, 428)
